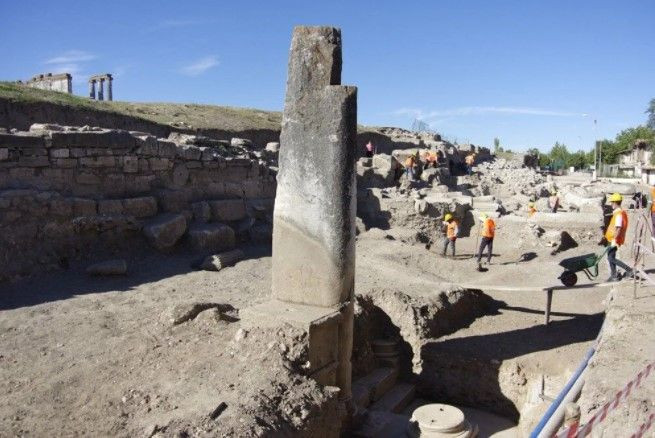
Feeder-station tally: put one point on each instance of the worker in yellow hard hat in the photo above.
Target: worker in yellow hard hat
(531, 209)
(451, 231)
(615, 236)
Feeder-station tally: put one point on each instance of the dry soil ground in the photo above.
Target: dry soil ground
(99, 356)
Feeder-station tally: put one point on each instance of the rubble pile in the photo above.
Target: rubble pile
(506, 178)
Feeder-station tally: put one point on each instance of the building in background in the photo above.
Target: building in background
(62, 82)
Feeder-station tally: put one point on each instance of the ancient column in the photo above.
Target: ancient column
(109, 90)
(101, 88)
(314, 217)
(92, 88)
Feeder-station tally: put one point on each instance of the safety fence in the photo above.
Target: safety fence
(574, 431)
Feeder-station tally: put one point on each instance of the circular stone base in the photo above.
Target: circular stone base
(439, 421)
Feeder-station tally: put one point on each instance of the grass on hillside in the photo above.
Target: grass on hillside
(188, 116)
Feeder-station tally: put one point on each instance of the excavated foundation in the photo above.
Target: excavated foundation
(507, 395)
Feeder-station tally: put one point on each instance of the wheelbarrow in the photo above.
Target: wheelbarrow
(587, 263)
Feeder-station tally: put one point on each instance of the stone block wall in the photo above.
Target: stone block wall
(65, 191)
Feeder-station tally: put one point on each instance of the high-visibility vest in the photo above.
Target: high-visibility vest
(410, 161)
(451, 229)
(611, 228)
(488, 228)
(532, 211)
(652, 199)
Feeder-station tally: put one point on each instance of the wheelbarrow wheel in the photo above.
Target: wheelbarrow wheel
(569, 278)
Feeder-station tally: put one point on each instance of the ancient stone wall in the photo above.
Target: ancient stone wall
(57, 82)
(65, 190)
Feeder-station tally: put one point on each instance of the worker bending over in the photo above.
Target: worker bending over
(615, 236)
(451, 228)
(487, 236)
(411, 165)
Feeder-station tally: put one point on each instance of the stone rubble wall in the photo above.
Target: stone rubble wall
(66, 190)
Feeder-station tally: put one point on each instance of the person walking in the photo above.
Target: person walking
(487, 235)
(451, 230)
(615, 236)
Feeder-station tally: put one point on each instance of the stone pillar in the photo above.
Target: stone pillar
(101, 88)
(109, 90)
(314, 218)
(92, 88)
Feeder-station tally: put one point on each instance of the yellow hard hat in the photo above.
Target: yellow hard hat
(448, 217)
(483, 216)
(616, 197)
(530, 204)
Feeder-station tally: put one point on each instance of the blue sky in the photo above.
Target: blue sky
(528, 72)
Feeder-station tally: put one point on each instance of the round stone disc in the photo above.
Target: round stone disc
(440, 418)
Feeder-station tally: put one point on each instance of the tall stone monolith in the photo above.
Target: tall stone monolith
(314, 219)
(314, 227)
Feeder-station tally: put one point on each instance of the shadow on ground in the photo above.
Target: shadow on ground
(467, 370)
(145, 266)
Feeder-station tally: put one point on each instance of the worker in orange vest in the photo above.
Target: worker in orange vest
(469, 160)
(487, 235)
(531, 209)
(411, 165)
(451, 228)
(615, 236)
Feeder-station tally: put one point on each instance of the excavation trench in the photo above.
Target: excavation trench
(503, 381)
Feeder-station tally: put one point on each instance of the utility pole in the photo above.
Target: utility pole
(596, 154)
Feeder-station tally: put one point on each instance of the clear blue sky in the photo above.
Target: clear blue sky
(528, 72)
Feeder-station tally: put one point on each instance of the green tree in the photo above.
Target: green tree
(651, 114)
(497, 145)
(626, 139)
(577, 159)
(608, 151)
(544, 160)
(559, 155)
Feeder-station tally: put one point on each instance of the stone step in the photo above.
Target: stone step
(373, 386)
(380, 424)
(396, 399)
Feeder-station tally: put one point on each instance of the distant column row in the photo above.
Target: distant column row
(100, 81)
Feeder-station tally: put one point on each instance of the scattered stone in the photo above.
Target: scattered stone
(273, 147)
(144, 206)
(218, 410)
(201, 211)
(211, 237)
(240, 335)
(217, 262)
(240, 142)
(109, 267)
(165, 230)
